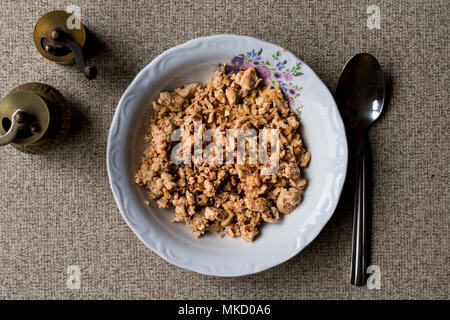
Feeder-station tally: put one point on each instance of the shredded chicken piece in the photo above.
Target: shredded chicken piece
(231, 199)
(288, 200)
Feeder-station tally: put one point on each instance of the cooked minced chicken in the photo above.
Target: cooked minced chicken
(225, 198)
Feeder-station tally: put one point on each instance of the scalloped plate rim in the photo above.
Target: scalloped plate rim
(313, 233)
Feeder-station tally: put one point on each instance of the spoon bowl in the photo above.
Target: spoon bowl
(361, 90)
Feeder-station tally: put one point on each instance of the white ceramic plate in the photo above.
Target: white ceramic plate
(323, 134)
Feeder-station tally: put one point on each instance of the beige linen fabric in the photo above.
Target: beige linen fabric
(57, 209)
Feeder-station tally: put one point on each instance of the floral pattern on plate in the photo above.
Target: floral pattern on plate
(274, 71)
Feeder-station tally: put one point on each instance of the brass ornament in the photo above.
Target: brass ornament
(42, 114)
(58, 43)
(42, 29)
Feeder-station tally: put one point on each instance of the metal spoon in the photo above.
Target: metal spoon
(360, 93)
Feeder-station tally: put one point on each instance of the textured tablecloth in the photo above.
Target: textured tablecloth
(57, 209)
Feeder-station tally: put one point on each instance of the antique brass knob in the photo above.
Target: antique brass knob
(34, 118)
(56, 42)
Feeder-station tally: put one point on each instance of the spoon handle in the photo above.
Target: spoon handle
(361, 216)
